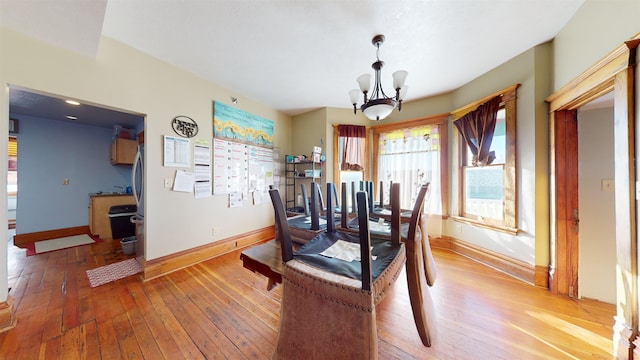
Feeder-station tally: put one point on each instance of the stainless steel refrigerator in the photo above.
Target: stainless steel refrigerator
(137, 185)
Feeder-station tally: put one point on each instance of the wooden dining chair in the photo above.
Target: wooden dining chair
(421, 270)
(328, 305)
(420, 267)
(331, 191)
(304, 228)
(378, 213)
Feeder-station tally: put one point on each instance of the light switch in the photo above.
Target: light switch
(65, 182)
(167, 182)
(607, 185)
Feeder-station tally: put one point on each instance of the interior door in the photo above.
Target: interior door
(567, 224)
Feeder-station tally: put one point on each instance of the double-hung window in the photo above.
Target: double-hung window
(487, 161)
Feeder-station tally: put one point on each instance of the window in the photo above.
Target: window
(12, 176)
(12, 181)
(483, 184)
(413, 153)
(487, 179)
(350, 144)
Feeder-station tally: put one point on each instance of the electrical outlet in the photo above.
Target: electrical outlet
(65, 182)
(167, 182)
(215, 231)
(458, 228)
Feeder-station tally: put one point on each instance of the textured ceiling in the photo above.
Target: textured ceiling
(297, 55)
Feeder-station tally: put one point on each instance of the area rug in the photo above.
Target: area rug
(44, 246)
(112, 272)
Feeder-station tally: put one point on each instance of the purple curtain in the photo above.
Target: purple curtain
(353, 149)
(477, 129)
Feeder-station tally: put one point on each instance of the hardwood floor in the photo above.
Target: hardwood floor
(219, 310)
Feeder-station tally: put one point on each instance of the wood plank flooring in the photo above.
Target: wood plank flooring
(219, 310)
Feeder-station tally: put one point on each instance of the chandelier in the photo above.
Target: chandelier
(378, 106)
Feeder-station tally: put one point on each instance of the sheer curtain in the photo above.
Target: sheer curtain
(411, 157)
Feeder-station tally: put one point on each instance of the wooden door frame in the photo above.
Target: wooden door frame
(563, 272)
(615, 72)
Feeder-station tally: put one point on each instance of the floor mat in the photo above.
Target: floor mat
(112, 272)
(44, 246)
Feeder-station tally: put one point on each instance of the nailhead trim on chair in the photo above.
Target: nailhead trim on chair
(337, 301)
(398, 261)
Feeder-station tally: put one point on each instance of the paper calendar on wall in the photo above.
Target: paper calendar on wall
(242, 151)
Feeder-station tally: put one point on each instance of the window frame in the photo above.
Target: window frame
(336, 152)
(441, 121)
(509, 178)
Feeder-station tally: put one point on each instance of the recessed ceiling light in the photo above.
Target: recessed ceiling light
(72, 117)
(72, 102)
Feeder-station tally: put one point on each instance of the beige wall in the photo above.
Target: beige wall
(309, 132)
(597, 28)
(534, 231)
(123, 78)
(597, 249)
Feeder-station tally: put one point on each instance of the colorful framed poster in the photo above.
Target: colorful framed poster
(242, 151)
(233, 124)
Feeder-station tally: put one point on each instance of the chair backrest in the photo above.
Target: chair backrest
(394, 199)
(416, 213)
(315, 211)
(283, 235)
(305, 199)
(344, 215)
(354, 206)
(333, 192)
(330, 214)
(369, 189)
(365, 240)
(319, 198)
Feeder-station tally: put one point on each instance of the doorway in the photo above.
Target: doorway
(12, 180)
(616, 73)
(64, 156)
(596, 203)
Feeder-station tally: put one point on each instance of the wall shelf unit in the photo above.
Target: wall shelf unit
(295, 173)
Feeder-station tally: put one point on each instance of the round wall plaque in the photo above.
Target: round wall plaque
(184, 126)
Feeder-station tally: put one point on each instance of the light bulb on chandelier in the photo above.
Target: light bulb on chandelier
(378, 106)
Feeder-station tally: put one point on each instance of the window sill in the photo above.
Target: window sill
(480, 224)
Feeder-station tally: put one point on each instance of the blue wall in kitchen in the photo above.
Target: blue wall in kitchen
(50, 151)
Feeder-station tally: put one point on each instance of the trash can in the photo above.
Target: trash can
(121, 225)
(128, 245)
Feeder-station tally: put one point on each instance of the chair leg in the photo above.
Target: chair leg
(271, 284)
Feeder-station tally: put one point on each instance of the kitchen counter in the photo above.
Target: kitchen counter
(99, 206)
(99, 193)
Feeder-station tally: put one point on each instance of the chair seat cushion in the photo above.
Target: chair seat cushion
(383, 251)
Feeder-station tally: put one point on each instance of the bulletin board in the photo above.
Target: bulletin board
(242, 151)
